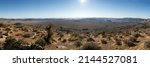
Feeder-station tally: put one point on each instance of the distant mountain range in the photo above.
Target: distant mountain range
(85, 19)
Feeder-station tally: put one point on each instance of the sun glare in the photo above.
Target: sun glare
(83, 1)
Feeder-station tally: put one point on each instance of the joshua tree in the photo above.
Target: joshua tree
(49, 34)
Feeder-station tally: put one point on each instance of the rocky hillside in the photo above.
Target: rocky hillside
(18, 36)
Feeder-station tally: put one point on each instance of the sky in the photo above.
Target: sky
(74, 8)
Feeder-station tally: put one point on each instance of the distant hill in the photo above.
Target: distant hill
(109, 20)
(83, 19)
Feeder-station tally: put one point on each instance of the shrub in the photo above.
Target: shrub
(64, 40)
(61, 28)
(90, 46)
(13, 44)
(35, 47)
(130, 43)
(41, 42)
(104, 41)
(1, 36)
(137, 35)
(118, 42)
(3, 25)
(90, 39)
(1, 46)
(133, 39)
(19, 24)
(27, 35)
(8, 29)
(78, 44)
(147, 44)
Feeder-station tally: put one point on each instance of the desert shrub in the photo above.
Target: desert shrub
(67, 31)
(137, 35)
(61, 28)
(1, 46)
(18, 34)
(90, 39)
(6, 34)
(144, 25)
(27, 35)
(64, 41)
(147, 44)
(118, 42)
(1, 36)
(78, 44)
(35, 47)
(41, 42)
(18, 24)
(90, 46)
(130, 43)
(103, 32)
(13, 44)
(104, 41)
(8, 29)
(3, 25)
(36, 30)
(133, 39)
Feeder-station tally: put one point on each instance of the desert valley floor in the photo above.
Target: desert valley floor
(20, 35)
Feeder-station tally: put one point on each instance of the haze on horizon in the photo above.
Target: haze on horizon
(74, 8)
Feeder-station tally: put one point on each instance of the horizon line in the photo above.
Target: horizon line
(71, 17)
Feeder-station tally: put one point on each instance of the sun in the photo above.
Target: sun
(83, 1)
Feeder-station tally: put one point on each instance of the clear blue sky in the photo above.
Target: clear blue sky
(74, 8)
